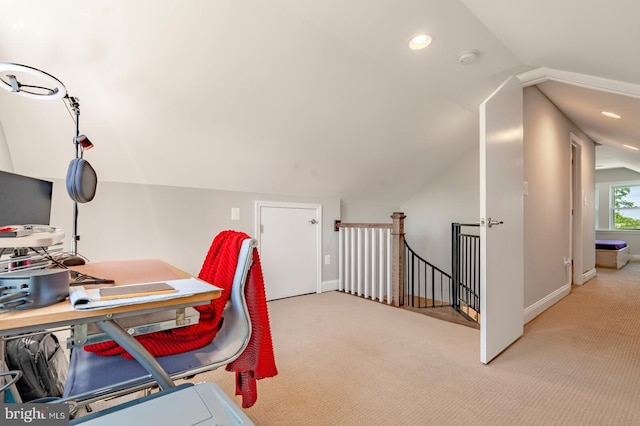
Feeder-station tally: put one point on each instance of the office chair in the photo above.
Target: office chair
(92, 377)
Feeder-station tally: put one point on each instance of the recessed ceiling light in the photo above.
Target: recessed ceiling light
(420, 41)
(611, 114)
(631, 147)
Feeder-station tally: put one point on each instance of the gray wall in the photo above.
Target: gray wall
(129, 221)
(547, 150)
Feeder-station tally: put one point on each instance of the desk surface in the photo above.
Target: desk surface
(122, 272)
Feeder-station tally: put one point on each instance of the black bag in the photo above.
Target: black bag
(43, 363)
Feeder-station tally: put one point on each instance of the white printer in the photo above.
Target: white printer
(185, 405)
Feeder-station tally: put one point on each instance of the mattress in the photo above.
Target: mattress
(610, 244)
(612, 253)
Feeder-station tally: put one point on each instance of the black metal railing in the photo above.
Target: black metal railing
(425, 285)
(465, 269)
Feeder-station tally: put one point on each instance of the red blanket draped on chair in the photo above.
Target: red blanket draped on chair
(257, 360)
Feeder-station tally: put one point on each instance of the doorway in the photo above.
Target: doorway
(577, 202)
(289, 242)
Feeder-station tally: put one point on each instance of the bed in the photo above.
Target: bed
(611, 253)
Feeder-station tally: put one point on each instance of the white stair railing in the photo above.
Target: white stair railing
(370, 259)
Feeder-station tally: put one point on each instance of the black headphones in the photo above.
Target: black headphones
(81, 180)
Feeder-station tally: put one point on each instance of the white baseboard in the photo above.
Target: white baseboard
(329, 285)
(588, 275)
(545, 303)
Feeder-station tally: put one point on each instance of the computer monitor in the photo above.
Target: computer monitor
(24, 200)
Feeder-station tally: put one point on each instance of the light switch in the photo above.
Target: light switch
(235, 213)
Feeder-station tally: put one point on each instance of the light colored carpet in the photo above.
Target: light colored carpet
(344, 360)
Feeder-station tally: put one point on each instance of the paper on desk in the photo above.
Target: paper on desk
(82, 298)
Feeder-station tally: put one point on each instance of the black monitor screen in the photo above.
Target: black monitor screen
(24, 200)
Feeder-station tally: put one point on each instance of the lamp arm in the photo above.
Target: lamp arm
(74, 104)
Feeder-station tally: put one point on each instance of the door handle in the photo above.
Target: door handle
(313, 221)
(492, 222)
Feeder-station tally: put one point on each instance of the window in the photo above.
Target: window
(626, 206)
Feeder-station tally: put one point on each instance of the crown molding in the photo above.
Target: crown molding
(542, 74)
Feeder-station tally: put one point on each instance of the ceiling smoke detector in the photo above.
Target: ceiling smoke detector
(468, 56)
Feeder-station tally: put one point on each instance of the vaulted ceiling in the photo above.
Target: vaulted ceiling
(298, 97)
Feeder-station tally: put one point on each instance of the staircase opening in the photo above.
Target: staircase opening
(465, 269)
(376, 262)
(431, 291)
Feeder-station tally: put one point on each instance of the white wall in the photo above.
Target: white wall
(356, 212)
(547, 150)
(454, 196)
(5, 156)
(604, 179)
(632, 238)
(129, 221)
(177, 224)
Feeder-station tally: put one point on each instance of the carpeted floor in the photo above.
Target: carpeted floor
(344, 360)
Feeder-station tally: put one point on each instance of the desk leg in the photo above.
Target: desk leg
(138, 352)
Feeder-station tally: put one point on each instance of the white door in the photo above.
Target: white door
(501, 213)
(289, 236)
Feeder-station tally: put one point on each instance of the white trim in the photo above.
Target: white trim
(577, 252)
(330, 285)
(542, 74)
(568, 262)
(545, 303)
(589, 274)
(278, 204)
